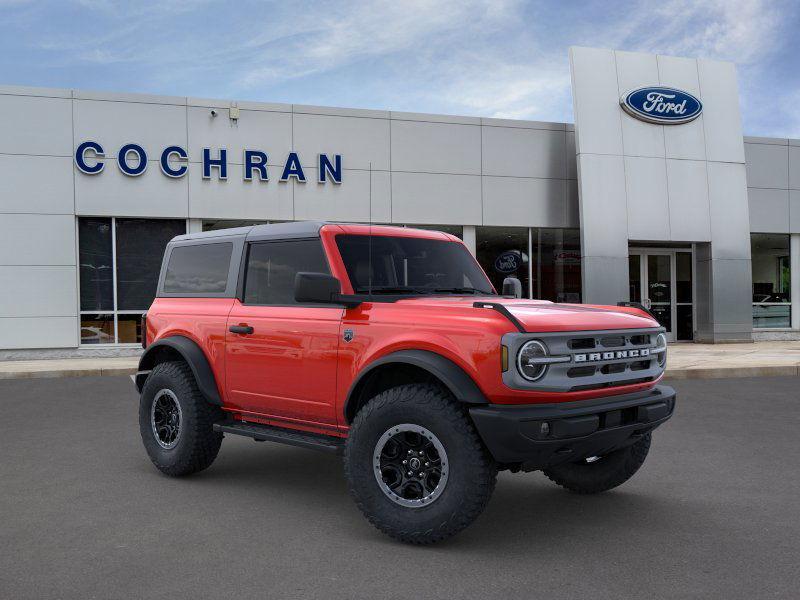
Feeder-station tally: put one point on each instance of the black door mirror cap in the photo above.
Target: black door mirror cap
(321, 288)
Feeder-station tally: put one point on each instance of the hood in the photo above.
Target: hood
(544, 316)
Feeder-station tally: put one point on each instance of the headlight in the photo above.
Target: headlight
(661, 350)
(530, 360)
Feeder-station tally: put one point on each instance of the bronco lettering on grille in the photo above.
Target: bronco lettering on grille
(616, 355)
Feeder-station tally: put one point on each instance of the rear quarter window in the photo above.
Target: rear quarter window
(198, 269)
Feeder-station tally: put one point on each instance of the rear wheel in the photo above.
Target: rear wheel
(416, 466)
(176, 422)
(601, 473)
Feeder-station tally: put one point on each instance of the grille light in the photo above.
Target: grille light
(661, 350)
(532, 360)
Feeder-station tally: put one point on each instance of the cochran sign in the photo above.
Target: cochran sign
(663, 105)
(132, 161)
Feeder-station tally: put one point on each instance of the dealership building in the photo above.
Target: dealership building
(653, 195)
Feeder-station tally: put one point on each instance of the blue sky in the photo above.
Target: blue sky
(502, 58)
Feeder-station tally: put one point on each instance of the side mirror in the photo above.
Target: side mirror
(319, 288)
(512, 287)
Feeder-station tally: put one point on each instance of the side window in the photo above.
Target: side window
(198, 269)
(272, 266)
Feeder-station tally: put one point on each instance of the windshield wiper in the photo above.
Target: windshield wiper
(462, 290)
(388, 289)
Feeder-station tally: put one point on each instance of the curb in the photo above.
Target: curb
(732, 372)
(688, 373)
(57, 373)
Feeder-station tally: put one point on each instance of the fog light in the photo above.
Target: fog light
(545, 428)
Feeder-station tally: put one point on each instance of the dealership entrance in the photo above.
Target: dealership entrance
(661, 280)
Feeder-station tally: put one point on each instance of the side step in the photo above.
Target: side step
(268, 433)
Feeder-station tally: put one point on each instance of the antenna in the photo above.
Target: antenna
(369, 243)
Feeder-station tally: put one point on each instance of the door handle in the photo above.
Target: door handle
(242, 329)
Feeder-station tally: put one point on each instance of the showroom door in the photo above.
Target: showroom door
(662, 281)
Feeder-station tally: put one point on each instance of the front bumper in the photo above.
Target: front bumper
(544, 435)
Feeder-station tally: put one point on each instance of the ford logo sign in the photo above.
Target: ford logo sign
(508, 262)
(662, 105)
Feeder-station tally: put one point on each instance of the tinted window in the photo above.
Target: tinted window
(140, 250)
(198, 269)
(413, 265)
(96, 264)
(272, 266)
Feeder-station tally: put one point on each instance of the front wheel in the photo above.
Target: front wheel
(601, 473)
(176, 422)
(416, 466)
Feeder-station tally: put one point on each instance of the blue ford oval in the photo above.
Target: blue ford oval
(664, 105)
(508, 262)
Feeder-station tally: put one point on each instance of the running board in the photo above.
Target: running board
(267, 433)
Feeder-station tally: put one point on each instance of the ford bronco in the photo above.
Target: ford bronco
(390, 346)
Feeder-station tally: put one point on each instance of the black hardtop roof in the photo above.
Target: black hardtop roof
(272, 231)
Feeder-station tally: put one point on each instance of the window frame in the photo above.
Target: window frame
(242, 279)
(791, 303)
(114, 312)
(238, 242)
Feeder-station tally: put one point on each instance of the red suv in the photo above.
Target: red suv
(390, 346)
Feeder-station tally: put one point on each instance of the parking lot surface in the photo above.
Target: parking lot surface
(714, 512)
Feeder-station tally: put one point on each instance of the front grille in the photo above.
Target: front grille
(589, 360)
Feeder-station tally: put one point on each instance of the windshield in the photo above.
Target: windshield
(410, 265)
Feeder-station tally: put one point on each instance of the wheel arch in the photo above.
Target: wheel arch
(410, 366)
(178, 347)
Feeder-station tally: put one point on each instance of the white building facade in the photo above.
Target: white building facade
(694, 220)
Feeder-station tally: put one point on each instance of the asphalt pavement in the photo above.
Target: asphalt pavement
(714, 512)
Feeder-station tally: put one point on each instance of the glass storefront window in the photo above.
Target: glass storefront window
(557, 265)
(96, 264)
(120, 260)
(140, 248)
(771, 280)
(504, 252)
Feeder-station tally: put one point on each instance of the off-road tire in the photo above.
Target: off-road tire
(197, 444)
(606, 473)
(472, 471)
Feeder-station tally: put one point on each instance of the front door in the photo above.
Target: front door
(281, 356)
(662, 281)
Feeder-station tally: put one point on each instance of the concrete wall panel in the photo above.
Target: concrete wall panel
(436, 198)
(36, 184)
(47, 291)
(648, 204)
(37, 239)
(767, 166)
(511, 202)
(237, 199)
(687, 182)
(359, 141)
(270, 132)
(423, 147)
(36, 125)
(151, 194)
(315, 201)
(769, 210)
(38, 332)
(722, 120)
(113, 124)
(635, 70)
(595, 98)
(520, 152)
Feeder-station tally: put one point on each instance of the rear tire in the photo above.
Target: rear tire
(425, 421)
(603, 474)
(176, 422)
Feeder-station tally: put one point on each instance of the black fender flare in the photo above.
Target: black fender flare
(194, 357)
(445, 370)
